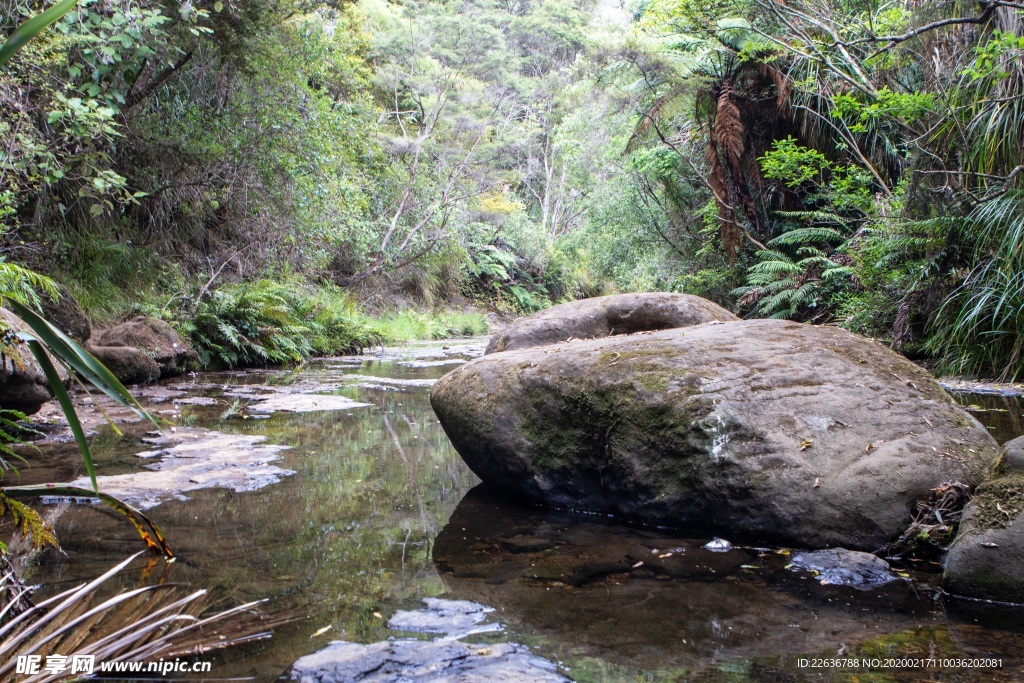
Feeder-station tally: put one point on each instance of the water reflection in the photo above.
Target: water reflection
(349, 535)
(614, 602)
(1003, 416)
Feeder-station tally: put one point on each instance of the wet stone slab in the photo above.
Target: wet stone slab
(453, 618)
(304, 403)
(189, 459)
(420, 661)
(416, 661)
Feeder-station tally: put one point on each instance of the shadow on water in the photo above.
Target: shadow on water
(380, 514)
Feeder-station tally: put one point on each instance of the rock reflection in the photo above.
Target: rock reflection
(644, 600)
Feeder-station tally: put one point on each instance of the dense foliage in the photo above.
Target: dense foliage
(263, 166)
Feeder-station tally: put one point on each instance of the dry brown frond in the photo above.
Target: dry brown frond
(144, 624)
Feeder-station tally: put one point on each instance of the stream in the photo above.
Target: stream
(365, 508)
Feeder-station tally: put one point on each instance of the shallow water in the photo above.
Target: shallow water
(381, 512)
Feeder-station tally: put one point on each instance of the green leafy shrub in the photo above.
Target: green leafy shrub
(271, 323)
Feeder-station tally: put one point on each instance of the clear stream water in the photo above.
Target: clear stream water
(381, 513)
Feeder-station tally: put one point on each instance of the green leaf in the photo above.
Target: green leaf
(57, 384)
(33, 27)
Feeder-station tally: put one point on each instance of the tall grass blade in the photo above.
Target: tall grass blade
(57, 385)
(33, 27)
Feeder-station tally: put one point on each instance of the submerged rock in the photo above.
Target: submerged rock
(304, 403)
(842, 567)
(155, 338)
(607, 316)
(773, 430)
(416, 661)
(647, 600)
(718, 545)
(454, 618)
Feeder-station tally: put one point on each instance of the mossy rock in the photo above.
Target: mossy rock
(128, 364)
(155, 338)
(607, 316)
(987, 558)
(770, 430)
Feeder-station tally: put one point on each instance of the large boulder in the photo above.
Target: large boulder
(987, 558)
(126, 363)
(66, 314)
(23, 386)
(156, 338)
(606, 316)
(768, 429)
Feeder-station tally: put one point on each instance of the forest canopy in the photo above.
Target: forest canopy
(237, 165)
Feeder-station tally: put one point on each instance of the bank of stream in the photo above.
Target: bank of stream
(353, 505)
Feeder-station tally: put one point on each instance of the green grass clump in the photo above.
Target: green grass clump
(407, 326)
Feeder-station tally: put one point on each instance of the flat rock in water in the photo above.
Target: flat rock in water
(766, 430)
(190, 459)
(304, 403)
(450, 617)
(841, 567)
(416, 661)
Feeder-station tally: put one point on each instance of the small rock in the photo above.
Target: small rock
(442, 616)
(987, 558)
(718, 545)
(842, 567)
(1013, 454)
(128, 364)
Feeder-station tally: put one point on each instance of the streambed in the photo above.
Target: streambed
(370, 510)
